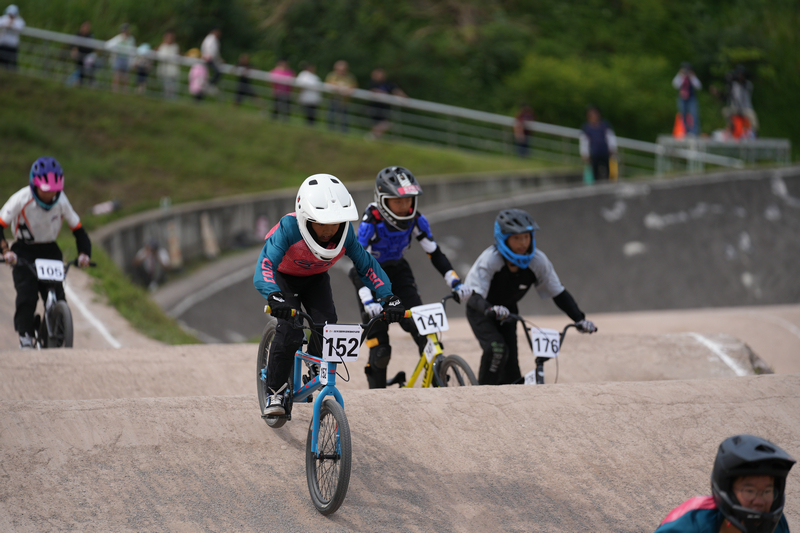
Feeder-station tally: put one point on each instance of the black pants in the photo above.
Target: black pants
(8, 57)
(310, 112)
(500, 361)
(213, 69)
(314, 293)
(281, 106)
(600, 168)
(405, 287)
(27, 283)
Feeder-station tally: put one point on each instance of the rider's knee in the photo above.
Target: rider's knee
(379, 354)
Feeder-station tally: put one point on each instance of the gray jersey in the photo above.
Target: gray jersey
(490, 262)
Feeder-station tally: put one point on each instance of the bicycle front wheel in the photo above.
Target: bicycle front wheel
(455, 372)
(261, 372)
(328, 473)
(61, 326)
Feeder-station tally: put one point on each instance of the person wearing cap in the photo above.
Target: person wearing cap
(11, 25)
(122, 47)
(748, 483)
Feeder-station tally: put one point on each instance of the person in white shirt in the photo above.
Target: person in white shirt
(34, 215)
(11, 25)
(310, 95)
(122, 47)
(168, 68)
(210, 52)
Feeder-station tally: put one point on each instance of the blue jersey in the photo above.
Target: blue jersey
(286, 251)
(387, 243)
(700, 515)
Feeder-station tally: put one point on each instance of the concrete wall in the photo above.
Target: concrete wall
(234, 221)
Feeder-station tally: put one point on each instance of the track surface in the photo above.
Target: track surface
(154, 438)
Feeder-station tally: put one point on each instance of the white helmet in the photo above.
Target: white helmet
(324, 199)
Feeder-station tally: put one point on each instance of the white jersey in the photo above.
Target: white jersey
(482, 275)
(32, 224)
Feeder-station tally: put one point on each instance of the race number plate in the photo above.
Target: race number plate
(323, 373)
(545, 342)
(530, 377)
(50, 270)
(430, 350)
(429, 318)
(342, 342)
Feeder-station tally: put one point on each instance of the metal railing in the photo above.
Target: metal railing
(47, 54)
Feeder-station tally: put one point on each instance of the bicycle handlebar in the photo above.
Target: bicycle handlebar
(23, 261)
(297, 312)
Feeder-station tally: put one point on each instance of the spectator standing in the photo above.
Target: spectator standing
(310, 96)
(243, 88)
(740, 101)
(344, 83)
(142, 65)
(168, 68)
(122, 46)
(81, 54)
(521, 131)
(151, 263)
(687, 84)
(381, 111)
(597, 144)
(281, 92)
(11, 25)
(198, 75)
(210, 51)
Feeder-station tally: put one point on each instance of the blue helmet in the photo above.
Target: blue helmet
(511, 222)
(46, 174)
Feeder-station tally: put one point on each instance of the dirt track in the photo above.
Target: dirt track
(154, 438)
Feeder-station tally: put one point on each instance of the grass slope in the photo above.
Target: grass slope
(138, 150)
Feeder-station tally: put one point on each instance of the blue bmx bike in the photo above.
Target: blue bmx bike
(328, 446)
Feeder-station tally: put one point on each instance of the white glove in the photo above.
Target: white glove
(501, 312)
(372, 308)
(586, 326)
(10, 258)
(463, 291)
(83, 260)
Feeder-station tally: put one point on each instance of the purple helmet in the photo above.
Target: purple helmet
(47, 174)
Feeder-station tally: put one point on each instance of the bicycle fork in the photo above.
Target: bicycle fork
(48, 307)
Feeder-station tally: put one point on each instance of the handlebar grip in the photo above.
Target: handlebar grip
(268, 310)
(407, 314)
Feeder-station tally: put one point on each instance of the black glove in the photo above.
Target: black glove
(278, 306)
(393, 307)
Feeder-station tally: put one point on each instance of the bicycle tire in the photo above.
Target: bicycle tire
(328, 475)
(455, 372)
(261, 362)
(61, 326)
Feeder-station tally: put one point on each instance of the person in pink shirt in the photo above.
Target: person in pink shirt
(281, 92)
(198, 75)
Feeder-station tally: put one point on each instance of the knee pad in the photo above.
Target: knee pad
(376, 377)
(380, 355)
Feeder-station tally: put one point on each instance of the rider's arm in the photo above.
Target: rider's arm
(72, 219)
(549, 286)
(370, 272)
(422, 232)
(480, 277)
(278, 241)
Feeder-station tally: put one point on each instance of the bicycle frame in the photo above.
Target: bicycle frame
(301, 392)
(423, 363)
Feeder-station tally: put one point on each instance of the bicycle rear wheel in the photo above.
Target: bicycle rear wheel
(328, 474)
(61, 326)
(261, 372)
(455, 372)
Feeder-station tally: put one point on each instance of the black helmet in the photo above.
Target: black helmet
(746, 455)
(396, 182)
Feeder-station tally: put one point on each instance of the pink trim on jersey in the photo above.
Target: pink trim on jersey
(299, 260)
(692, 504)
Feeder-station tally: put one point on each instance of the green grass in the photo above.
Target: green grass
(138, 150)
(130, 300)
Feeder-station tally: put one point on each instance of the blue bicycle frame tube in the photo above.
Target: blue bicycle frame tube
(301, 392)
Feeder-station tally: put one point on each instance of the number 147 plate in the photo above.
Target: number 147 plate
(429, 318)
